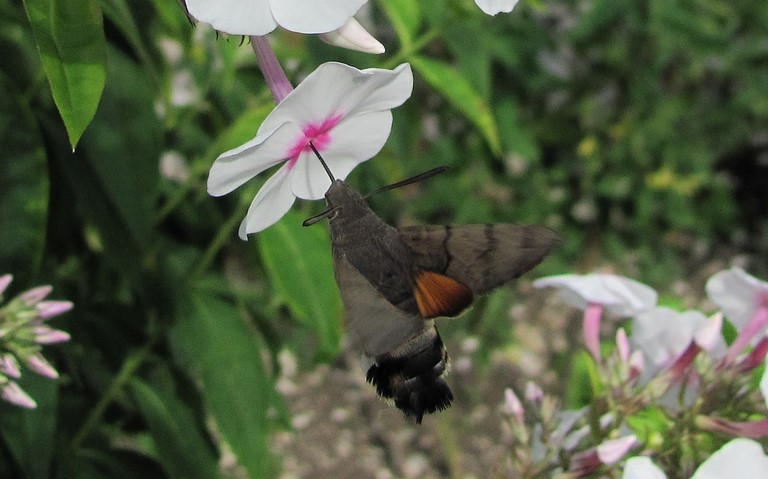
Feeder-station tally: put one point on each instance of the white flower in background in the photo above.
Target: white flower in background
(618, 295)
(740, 458)
(492, 7)
(738, 294)
(259, 17)
(343, 111)
(744, 301)
(333, 19)
(662, 334)
(594, 292)
(641, 467)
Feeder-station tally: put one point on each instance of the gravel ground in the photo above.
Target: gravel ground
(342, 430)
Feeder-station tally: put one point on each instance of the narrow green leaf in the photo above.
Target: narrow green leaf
(181, 444)
(115, 173)
(405, 16)
(462, 95)
(23, 186)
(221, 352)
(298, 262)
(70, 38)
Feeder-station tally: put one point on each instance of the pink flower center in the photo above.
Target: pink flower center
(318, 133)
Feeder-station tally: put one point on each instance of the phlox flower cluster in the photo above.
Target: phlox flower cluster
(23, 333)
(671, 399)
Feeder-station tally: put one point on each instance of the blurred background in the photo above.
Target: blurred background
(637, 130)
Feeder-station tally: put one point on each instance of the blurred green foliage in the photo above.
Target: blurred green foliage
(638, 130)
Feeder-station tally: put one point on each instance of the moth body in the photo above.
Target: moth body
(394, 281)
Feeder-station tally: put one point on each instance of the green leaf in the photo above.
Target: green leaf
(299, 265)
(405, 17)
(115, 173)
(23, 186)
(181, 445)
(70, 38)
(221, 352)
(462, 95)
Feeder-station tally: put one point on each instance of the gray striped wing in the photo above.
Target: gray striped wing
(482, 257)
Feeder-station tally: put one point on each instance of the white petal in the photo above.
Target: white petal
(353, 36)
(621, 296)
(742, 458)
(313, 16)
(234, 167)
(736, 294)
(353, 141)
(662, 334)
(238, 17)
(492, 7)
(380, 90)
(641, 467)
(273, 200)
(339, 90)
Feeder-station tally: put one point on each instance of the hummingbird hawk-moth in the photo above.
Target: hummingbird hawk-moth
(394, 282)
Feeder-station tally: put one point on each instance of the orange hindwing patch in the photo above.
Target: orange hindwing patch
(439, 295)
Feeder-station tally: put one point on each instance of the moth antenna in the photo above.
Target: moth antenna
(322, 162)
(409, 181)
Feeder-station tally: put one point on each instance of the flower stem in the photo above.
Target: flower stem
(130, 366)
(273, 73)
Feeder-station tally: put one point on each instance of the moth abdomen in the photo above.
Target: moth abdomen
(411, 376)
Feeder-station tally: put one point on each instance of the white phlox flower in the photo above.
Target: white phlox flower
(619, 295)
(662, 334)
(343, 111)
(259, 17)
(492, 7)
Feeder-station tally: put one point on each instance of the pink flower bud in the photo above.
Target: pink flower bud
(46, 335)
(636, 364)
(622, 345)
(751, 429)
(10, 366)
(512, 405)
(5, 280)
(49, 309)
(611, 451)
(591, 330)
(38, 364)
(12, 393)
(35, 295)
